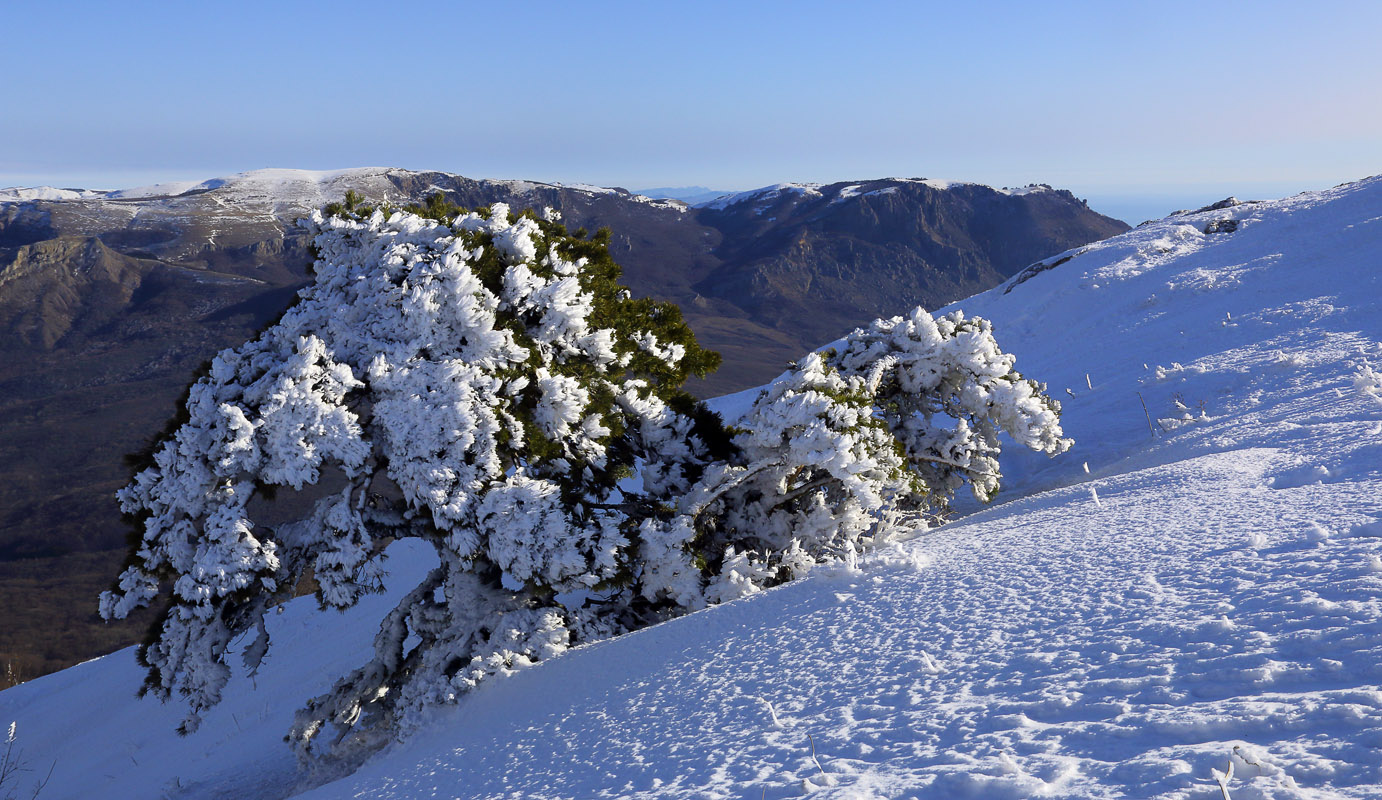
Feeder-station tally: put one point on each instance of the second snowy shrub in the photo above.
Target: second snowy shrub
(857, 444)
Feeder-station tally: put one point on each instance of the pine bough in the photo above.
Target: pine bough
(482, 382)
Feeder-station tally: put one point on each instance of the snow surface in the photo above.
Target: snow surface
(1186, 605)
(939, 183)
(166, 189)
(763, 195)
(852, 191)
(1032, 188)
(19, 194)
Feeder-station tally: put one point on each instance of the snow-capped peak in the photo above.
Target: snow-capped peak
(762, 194)
(25, 193)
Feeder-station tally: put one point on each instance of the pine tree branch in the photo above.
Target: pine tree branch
(948, 463)
(805, 488)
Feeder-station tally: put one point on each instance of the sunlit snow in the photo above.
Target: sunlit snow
(1186, 605)
(19, 194)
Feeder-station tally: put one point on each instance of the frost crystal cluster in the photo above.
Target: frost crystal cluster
(481, 381)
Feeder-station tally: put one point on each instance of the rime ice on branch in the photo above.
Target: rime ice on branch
(482, 382)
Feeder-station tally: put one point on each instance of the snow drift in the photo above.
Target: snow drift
(1188, 604)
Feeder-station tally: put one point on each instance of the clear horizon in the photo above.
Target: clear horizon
(1139, 110)
(1126, 204)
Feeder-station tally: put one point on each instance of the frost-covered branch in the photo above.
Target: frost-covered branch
(12, 766)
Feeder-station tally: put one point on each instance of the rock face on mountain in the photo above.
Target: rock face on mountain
(817, 261)
(110, 300)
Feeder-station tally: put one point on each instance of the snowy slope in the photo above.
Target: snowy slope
(22, 194)
(297, 187)
(1207, 596)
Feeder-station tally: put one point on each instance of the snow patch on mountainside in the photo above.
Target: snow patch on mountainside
(1034, 188)
(20, 194)
(169, 189)
(763, 195)
(852, 191)
(1190, 599)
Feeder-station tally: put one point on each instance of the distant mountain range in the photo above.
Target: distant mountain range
(691, 195)
(110, 300)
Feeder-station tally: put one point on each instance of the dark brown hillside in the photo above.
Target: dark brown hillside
(817, 261)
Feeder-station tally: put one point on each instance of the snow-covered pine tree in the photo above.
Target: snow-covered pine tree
(480, 381)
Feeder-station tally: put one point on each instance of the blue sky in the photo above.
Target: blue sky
(1140, 107)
